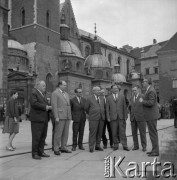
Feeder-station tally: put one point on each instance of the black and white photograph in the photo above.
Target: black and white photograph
(88, 89)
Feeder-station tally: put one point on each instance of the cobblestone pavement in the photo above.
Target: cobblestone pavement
(77, 165)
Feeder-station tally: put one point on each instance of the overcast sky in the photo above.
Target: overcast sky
(133, 22)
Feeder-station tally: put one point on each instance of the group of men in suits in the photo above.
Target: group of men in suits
(144, 110)
(103, 112)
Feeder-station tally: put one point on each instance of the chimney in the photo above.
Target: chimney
(154, 41)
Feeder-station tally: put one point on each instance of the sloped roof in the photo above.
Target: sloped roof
(171, 44)
(90, 35)
(137, 51)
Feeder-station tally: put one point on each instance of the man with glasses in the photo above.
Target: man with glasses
(151, 115)
(137, 120)
(79, 118)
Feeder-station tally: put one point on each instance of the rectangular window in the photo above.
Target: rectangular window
(147, 70)
(174, 81)
(156, 70)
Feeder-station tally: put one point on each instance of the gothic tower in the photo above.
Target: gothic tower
(36, 25)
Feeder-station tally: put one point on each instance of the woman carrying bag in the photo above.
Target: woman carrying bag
(11, 124)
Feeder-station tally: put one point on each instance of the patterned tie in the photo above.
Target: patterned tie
(98, 100)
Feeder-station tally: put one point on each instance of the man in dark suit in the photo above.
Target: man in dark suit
(116, 112)
(79, 118)
(137, 120)
(39, 116)
(174, 109)
(106, 125)
(94, 107)
(151, 115)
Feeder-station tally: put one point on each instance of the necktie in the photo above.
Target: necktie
(98, 100)
(64, 94)
(134, 98)
(78, 98)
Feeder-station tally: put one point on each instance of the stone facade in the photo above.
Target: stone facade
(3, 49)
(168, 70)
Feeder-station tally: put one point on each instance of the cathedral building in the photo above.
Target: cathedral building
(45, 43)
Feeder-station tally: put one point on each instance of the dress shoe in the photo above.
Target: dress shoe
(66, 151)
(91, 150)
(81, 148)
(111, 146)
(135, 148)
(73, 148)
(144, 149)
(153, 154)
(98, 149)
(149, 152)
(105, 146)
(37, 157)
(57, 153)
(44, 155)
(126, 148)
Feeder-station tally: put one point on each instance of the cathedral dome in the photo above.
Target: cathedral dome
(70, 49)
(12, 44)
(118, 78)
(96, 61)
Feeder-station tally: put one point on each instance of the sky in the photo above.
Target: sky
(133, 22)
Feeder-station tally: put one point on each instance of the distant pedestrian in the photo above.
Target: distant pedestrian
(11, 124)
(174, 106)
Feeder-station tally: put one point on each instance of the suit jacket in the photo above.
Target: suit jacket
(38, 104)
(174, 105)
(77, 109)
(150, 105)
(61, 105)
(117, 108)
(136, 109)
(94, 109)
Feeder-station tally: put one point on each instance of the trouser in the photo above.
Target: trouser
(78, 133)
(152, 128)
(114, 130)
(39, 134)
(107, 124)
(141, 126)
(61, 134)
(122, 132)
(95, 133)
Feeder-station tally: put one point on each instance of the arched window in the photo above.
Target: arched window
(128, 66)
(119, 60)
(63, 19)
(110, 59)
(78, 66)
(23, 16)
(87, 51)
(49, 83)
(48, 19)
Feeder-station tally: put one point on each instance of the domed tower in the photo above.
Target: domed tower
(20, 76)
(71, 64)
(97, 65)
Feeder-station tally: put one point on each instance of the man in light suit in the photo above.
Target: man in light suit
(79, 118)
(137, 120)
(151, 115)
(39, 117)
(94, 107)
(116, 112)
(62, 113)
